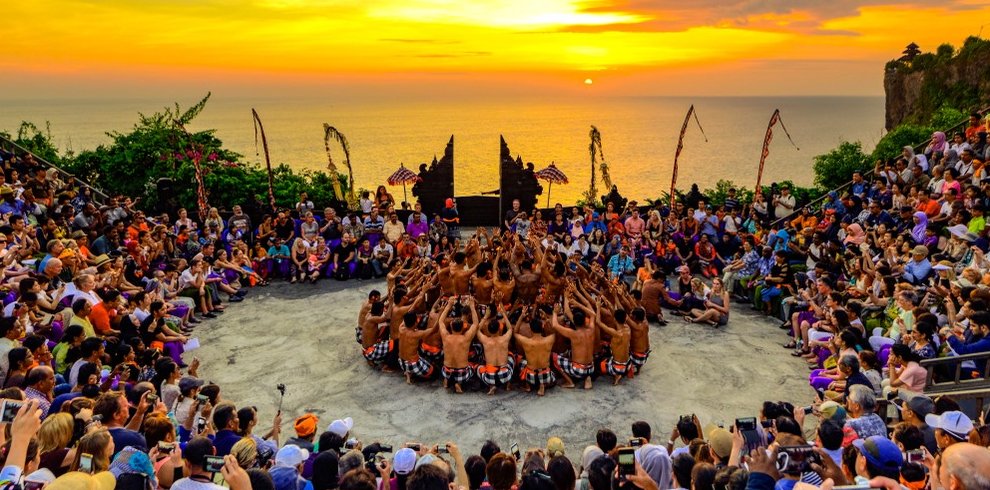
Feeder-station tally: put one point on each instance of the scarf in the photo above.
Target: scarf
(918, 232)
(855, 234)
(938, 142)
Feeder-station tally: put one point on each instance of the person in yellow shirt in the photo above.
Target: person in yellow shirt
(805, 220)
(80, 316)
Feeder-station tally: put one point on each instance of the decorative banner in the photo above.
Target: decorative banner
(268, 162)
(330, 132)
(774, 119)
(595, 148)
(680, 146)
(195, 153)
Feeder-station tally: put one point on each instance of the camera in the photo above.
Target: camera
(627, 461)
(635, 442)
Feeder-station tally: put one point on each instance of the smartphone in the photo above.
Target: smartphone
(201, 399)
(795, 460)
(442, 450)
(414, 446)
(914, 456)
(9, 409)
(351, 443)
(152, 399)
(165, 447)
(385, 448)
(627, 461)
(85, 462)
(213, 464)
(514, 449)
(33, 485)
(635, 442)
(745, 424)
(200, 424)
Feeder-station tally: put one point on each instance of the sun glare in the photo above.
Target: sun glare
(588, 81)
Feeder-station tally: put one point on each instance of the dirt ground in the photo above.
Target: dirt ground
(303, 336)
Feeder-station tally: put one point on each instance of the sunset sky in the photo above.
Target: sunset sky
(55, 48)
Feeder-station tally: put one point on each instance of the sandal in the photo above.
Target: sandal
(791, 345)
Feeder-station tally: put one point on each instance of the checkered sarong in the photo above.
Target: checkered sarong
(432, 353)
(497, 375)
(377, 352)
(537, 376)
(576, 371)
(638, 359)
(421, 367)
(614, 368)
(457, 375)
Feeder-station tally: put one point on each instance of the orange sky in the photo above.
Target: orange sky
(55, 48)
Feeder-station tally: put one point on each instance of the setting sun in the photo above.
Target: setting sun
(588, 81)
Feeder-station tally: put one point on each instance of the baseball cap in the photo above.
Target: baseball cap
(291, 455)
(341, 426)
(306, 424)
(720, 440)
(189, 382)
(921, 405)
(956, 423)
(832, 410)
(404, 461)
(880, 452)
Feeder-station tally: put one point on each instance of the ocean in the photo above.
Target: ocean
(639, 134)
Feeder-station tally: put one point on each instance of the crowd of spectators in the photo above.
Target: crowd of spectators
(101, 299)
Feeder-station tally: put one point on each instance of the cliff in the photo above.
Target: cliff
(956, 78)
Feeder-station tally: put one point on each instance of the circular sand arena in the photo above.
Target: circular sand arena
(303, 336)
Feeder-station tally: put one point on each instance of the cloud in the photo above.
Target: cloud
(419, 41)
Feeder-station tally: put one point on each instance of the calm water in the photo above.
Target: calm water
(638, 134)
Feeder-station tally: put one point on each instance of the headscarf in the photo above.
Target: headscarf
(132, 460)
(855, 234)
(951, 158)
(590, 454)
(449, 203)
(938, 142)
(656, 463)
(918, 232)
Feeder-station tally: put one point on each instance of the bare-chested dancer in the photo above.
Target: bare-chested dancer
(457, 339)
(617, 364)
(410, 361)
(374, 341)
(581, 365)
(495, 337)
(535, 369)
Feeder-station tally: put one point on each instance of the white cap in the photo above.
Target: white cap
(291, 455)
(954, 422)
(404, 461)
(341, 427)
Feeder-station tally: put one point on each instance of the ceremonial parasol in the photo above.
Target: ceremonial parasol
(552, 175)
(403, 176)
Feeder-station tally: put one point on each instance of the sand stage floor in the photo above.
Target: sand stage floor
(303, 336)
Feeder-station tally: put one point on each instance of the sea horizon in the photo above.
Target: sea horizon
(639, 133)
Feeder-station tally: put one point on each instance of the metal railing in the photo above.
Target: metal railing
(869, 174)
(11, 146)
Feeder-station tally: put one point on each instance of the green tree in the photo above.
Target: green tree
(835, 168)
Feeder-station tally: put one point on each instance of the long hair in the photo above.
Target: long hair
(55, 432)
(95, 444)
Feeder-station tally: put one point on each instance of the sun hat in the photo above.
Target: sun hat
(77, 480)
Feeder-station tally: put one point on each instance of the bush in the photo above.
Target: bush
(893, 142)
(157, 147)
(836, 167)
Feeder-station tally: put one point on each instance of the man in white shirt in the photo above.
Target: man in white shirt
(784, 203)
(383, 256)
(194, 456)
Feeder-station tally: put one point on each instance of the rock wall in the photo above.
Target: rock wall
(959, 79)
